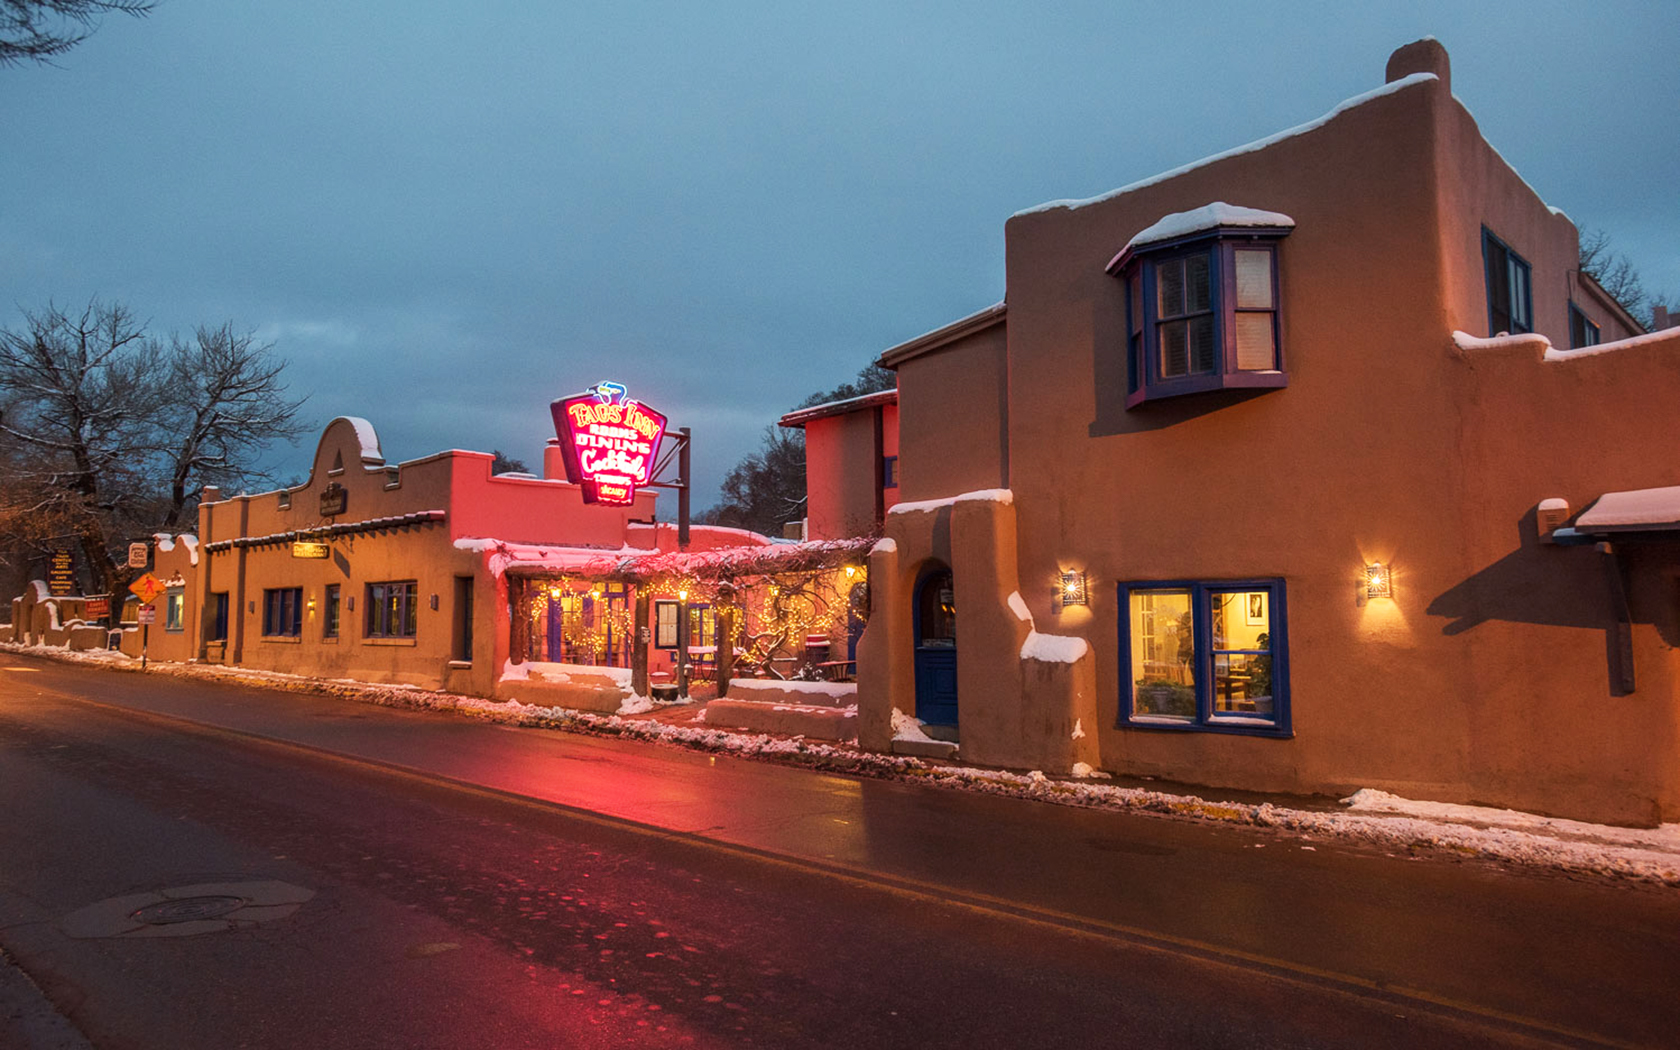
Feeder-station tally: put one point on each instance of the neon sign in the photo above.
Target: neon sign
(609, 443)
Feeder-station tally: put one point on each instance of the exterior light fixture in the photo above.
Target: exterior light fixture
(554, 592)
(1073, 588)
(851, 570)
(1379, 582)
(682, 596)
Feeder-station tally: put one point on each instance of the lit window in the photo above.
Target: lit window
(1202, 313)
(392, 609)
(665, 624)
(1206, 656)
(175, 610)
(1510, 307)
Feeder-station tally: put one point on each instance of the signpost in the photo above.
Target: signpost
(608, 442)
(96, 608)
(61, 573)
(147, 588)
(307, 549)
(137, 553)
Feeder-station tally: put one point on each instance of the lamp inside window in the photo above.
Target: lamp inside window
(1073, 590)
(1379, 581)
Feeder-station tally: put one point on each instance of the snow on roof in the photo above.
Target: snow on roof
(978, 321)
(1638, 508)
(800, 416)
(1256, 145)
(633, 563)
(366, 437)
(978, 496)
(1207, 217)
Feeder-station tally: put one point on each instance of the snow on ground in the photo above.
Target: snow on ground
(1374, 817)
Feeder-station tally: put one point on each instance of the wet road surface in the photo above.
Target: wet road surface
(514, 888)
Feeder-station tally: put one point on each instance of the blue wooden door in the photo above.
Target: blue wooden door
(936, 649)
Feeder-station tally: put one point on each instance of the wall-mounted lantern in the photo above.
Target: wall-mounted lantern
(1379, 581)
(1073, 589)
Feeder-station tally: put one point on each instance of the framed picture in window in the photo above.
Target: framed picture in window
(1256, 611)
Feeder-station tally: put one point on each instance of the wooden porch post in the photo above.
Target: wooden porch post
(724, 635)
(639, 650)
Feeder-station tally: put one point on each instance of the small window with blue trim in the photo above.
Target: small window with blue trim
(1205, 656)
(1510, 302)
(1582, 332)
(889, 472)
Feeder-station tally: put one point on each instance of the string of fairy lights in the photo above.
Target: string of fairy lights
(774, 613)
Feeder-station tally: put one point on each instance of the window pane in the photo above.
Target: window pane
(1203, 351)
(1254, 279)
(1163, 654)
(1242, 653)
(1169, 287)
(411, 611)
(1136, 320)
(1255, 348)
(1520, 318)
(1175, 349)
(1198, 291)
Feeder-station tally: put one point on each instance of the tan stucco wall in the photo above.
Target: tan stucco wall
(842, 475)
(953, 417)
(1484, 679)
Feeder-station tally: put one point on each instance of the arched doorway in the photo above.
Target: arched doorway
(936, 647)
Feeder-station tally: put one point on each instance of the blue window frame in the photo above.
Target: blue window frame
(1203, 312)
(283, 612)
(1582, 332)
(218, 617)
(1205, 656)
(889, 472)
(1509, 297)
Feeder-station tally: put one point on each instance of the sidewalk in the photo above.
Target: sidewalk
(1375, 817)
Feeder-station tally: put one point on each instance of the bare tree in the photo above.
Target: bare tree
(107, 432)
(1613, 271)
(39, 30)
(225, 402)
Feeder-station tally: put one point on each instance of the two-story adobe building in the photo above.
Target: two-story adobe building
(1251, 479)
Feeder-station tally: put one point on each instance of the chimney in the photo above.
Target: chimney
(209, 494)
(554, 466)
(1420, 56)
(1660, 318)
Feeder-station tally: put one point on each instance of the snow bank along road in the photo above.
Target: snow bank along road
(835, 911)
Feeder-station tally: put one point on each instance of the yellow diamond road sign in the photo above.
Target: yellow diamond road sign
(147, 587)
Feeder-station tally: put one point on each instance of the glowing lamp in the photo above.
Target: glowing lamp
(1379, 582)
(851, 570)
(682, 596)
(1073, 588)
(554, 592)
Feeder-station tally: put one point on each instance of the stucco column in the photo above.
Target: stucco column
(885, 678)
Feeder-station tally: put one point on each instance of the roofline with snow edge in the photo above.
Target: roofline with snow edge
(799, 417)
(940, 337)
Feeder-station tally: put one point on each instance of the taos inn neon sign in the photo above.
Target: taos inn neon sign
(609, 442)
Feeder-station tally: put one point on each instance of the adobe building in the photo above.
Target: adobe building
(438, 574)
(1253, 480)
(851, 464)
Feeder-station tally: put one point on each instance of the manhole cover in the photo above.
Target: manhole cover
(187, 909)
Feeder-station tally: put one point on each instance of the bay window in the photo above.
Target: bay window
(1202, 312)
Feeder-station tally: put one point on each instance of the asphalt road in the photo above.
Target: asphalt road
(459, 884)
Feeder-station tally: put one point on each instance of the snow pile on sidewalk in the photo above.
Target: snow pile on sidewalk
(1374, 817)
